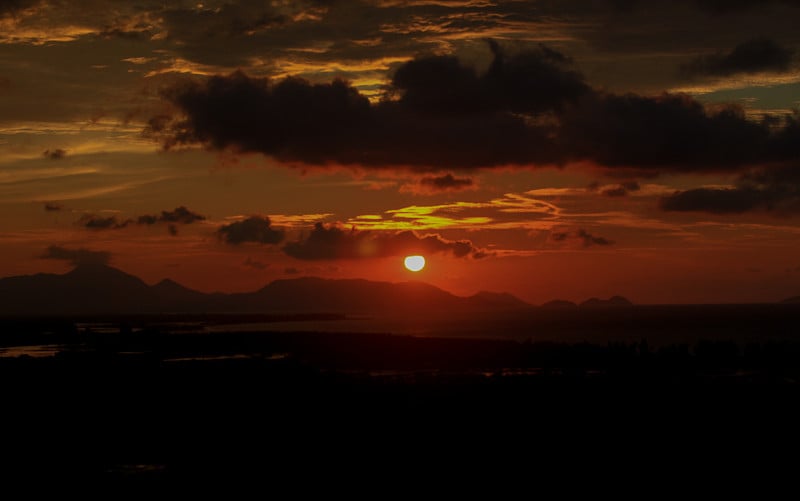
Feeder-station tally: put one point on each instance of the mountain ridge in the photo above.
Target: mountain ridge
(97, 288)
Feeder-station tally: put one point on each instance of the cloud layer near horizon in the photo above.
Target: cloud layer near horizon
(76, 257)
(336, 242)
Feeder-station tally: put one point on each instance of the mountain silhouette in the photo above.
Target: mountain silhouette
(101, 289)
(605, 303)
(559, 304)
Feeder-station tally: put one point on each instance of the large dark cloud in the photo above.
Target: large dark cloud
(753, 56)
(256, 229)
(527, 109)
(77, 257)
(532, 81)
(775, 190)
(336, 242)
(672, 132)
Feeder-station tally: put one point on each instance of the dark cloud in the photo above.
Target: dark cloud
(52, 207)
(671, 132)
(532, 81)
(725, 6)
(94, 222)
(754, 56)
(527, 109)
(255, 264)
(56, 154)
(446, 182)
(133, 35)
(775, 190)
(583, 237)
(714, 200)
(621, 190)
(336, 242)
(296, 121)
(437, 184)
(77, 257)
(178, 215)
(8, 7)
(256, 229)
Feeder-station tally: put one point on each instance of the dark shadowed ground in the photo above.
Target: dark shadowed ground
(159, 400)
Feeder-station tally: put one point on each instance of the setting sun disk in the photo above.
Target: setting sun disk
(414, 263)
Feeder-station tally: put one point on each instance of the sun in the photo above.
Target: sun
(414, 263)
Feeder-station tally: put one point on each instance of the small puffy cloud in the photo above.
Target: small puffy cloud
(55, 154)
(579, 235)
(255, 264)
(178, 215)
(76, 257)
(430, 185)
(257, 229)
(621, 189)
(94, 222)
(333, 241)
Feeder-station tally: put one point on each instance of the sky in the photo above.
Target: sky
(550, 149)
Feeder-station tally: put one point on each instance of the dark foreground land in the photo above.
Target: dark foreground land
(156, 406)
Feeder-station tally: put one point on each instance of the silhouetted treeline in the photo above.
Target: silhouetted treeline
(372, 352)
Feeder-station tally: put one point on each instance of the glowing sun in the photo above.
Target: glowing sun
(414, 263)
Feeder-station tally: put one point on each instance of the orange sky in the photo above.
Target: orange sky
(629, 154)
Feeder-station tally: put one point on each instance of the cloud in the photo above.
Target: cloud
(528, 109)
(178, 215)
(255, 264)
(583, 237)
(52, 207)
(621, 189)
(429, 185)
(725, 6)
(532, 81)
(56, 154)
(296, 121)
(94, 222)
(256, 229)
(291, 271)
(672, 132)
(333, 241)
(753, 56)
(76, 257)
(8, 7)
(775, 190)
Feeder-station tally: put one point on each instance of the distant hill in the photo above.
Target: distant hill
(792, 300)
(559, 303)
(100, 289)
(604, 303)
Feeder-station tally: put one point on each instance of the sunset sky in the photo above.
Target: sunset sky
(551, 149)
